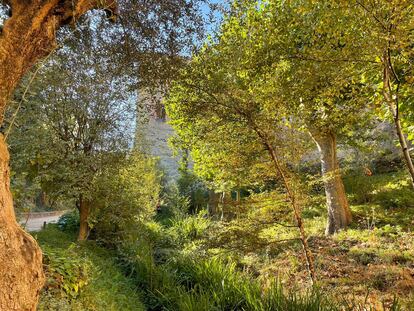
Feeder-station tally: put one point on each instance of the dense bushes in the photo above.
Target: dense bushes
(391, 190)
(173, 260)
(124, 198)
(69, 221)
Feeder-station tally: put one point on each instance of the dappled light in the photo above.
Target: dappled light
(206, 155)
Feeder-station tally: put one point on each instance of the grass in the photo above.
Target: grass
(169, 266)
(382, 199)
(367, 267)
(248, 262)
(83, 276)
(188, 284)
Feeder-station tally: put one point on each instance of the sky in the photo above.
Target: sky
(217, 15)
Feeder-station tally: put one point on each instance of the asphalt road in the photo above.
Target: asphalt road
(36, 223)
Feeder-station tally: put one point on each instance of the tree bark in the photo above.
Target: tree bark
(84, 211)
(222, 204)
(27, 36)
(21, 274)
(213, 201)
(339, 213)
(238, 196)
(403, 142)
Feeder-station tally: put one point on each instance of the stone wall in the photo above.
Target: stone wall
(153, 132)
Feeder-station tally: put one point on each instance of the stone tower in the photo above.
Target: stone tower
(152, 132)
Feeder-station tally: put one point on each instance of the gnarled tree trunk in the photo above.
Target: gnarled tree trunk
(339, 213)
(27, 36)
(21, 274)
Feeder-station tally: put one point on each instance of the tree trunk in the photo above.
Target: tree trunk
(21, 273)
(238, 196)
(279, 170)
(26, 37)
(213, 200)
(296, 209)
(403, 143)
(339, 213)
(84, 210)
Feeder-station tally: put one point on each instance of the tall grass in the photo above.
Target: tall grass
(175, 279)
(197, 284)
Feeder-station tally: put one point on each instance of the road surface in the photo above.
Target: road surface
(36, 221)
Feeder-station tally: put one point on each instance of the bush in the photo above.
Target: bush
(174, 205)
(388, 190)
(396, 198)
(67, 274)
(186, 229)
(125, 197)
(69, 222)
(360, 188)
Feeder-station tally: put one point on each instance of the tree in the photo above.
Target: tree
(213, 104)
(283, 61)
(77, 123)
(336, 54)
(309, 42)
(388, 44)
(27, 36)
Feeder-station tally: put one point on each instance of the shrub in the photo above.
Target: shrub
(125, 197)
(186, 229)
(176, 205)
(396, 197)
(67, 273)
(69, 221)
(360, 188)
(388, 190)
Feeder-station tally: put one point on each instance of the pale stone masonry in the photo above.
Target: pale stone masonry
(153, 132)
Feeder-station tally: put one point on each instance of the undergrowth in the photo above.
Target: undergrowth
(82, 276)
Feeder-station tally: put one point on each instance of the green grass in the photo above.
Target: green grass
(197, 284)
(192, 263)
(175, 275)
(83, 276)
(382, 199)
